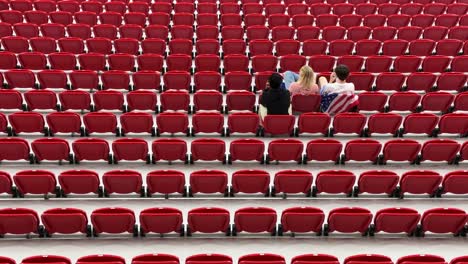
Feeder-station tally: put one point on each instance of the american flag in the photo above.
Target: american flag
(336, 103)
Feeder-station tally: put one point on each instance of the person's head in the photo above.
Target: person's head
(275, 81)
(306, 77)
(342, 72)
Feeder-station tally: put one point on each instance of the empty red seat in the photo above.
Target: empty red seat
(292, 182)
(172, 123)
(301, 220)
(285, 150)
(100, 122)
(454, 182)
(409, 63)
(64, 60)
(20, 221)
(353, 62)
(41, 99)
(236, 62)
(313, 123)
(65, 221)
(377, 182)
(323, 150)
(250, 181)
(246, 150)
(312, 47)
(53, 79)
(32, 60)
(146, 80)
(348, 220)
(334, 182)
(419, 123)
(108, 100)
(46, 259)
(254, 220)
(437, 101)
(243, 123)
(208, 101)
(208, 182)
(395, 220)
(305, 103)
(74, 100)
(130, 149)
(208, 220)
(400, 150)
(161, 221)
(453, 123)
(208, 258)
(292, 62)
(51, 149)
(439, 150)
(419, 182)
(36, 182)
(27, 122)
(384, 33)
(368, 258)
(122, 182)
(206, 122)
(137, 122)
(64, 122)
(451, 81)
(443, 220)
(362, 150)
(92, 61)
(15, 149)
(79, 182)
(390, 81)
(16, 44)
(348, 123)
(262, 63)
(307, 33)
(177, 80)
(372, 101)
(461, 102)
(114, 221)
(19, 79)
(404, 101)
(314, 258)
(165, 182)
(278, 124)
(384, 123)
(208, 150)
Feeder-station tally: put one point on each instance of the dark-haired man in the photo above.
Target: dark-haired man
(275, 100)
(337, 95)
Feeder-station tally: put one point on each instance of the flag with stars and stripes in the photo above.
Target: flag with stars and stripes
(335, 103)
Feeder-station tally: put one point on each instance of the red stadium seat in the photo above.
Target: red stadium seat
(237, 81)
(302, 220)
(208, 220)
(278, 125)
(254, 220)
(108, 100)
(208, 182)
(122, 182)
(419, 123)
(394, 47)
(209, 258)
(262, 63)
(437, 101)
(51, 149)
(250, 181)
(165, 182)
(459, 62)
(44, 45)
(243, 123)
(313, 123)
(451, 81)
(27, 122)
(246, 150)
(160, 221)
(368, 258)
(206, 122)
(54, 79)
(65, 221)
(149, 80)
(305, 103)
(374, 20)
(20, 221)
(353, 62)
(172, 123)
(41, 99)
(46, 259)
(177, 80)
(258, 47)
(348, 220)
(341, 47)
(400, 150)
(74, 100)
(395, 220)
(64, 60)
(368, 47)
(292, 182)
(454, 182)
(361, 150)
(323, 150)
(11, 99)
(285, 150)
(150, 62)
(404, 101)
(461, 102)
(234, 46)
(237, 32)
(100, 122)
(312, 47)
(64, 122)
(175, 100)
(36, 182)
(334, 182)
(130, 149)
(439, 150)
(307, 33)
(314, 258)
(170, 150)
(453, 123)
(377, 182)
(19, 79)
(235, 62)
(113, 221)
(384, 123)
(137, 122)
(419, 182)
(208, 150)
(348, 123)
(442, 220)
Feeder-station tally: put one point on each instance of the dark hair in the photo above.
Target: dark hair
(275, 81)
(342, 72)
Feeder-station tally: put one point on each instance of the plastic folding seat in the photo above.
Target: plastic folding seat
(231, 20)
(161, 221)
(453, 123)
(207, 122)
(113, 221)
(108, 100)
(260, 47)
(368, 258)
(364, 9)
(46, 259)
(261, 258)
(167, 181)
(171, 149)
(7, 60)
(15, 44)
(86, 18)
(421, 258)
(436, 63)
(395, 220)
(51, 149)
(84, 79)
(253, 32)
(448, 47)
(52, 79)
(331, 33)
(361, 150)
(243, 123)
(11, 16)
(207, 80)
(61, 17)
(91, 149)
(20, 221)
(209, 182)
(374, 20)
(297, 9)
(234, 46)
(172, 122)
(353, 62)
(287, 46)
(312, 258)
(246, 150)
(99, 45)
(131, 32)
(412, 8)
(115, 79)
(277, 20)
(261, 63)
(419, 182)
(284, 150)
(305, 103)
(341, 47)
(27, 122)
(81, 181)
(454, 182)
(65, 221)
(208, 258)
(443, 220)
(304, 220)
(175, 100)
(384, 33)
(159, 19)
(44, 45)
(362, 80)
(322, 63)
(148, 80)
(314, 47)
(27, 30)
(410, 33)
(150, 62)
(135, 18)
(320, 8)
(323, 150)
(235, 62)
(207, 35)
(292, 62)
(420, 81)
(177, 80)
(208, 150)
(278, 124)
(419, 123)
(122, 182)
(179, 62)
(41, 99)
(208, 8)
(439, 150)
(457, 8)
(121, 61)
(79, 31)
(301, 20)
(68, 6)
(207, 100)
(384, 123)
(5, 29)
(350, 20)
(207, 62)
(19, 79)
(399, 21)
(164, 7)
(92, 61)
(100, 122)
(292, 182)
(237, 32)
(229, 8)
(377, 182)
(15, 149)
(92, 6)
(11, 99)
(377, 64)
(421, 47)
(254, 20)
(252, 8)
(423, 20)
(32, 60)
(435, 33)
(281, 33)
(153, 45)
(250, 181)
(450, 20)
(437, 101)
(137, 123)
(343, 9)
(400, 150)
(394, 47)
(348, 123)
(111, 17)
(357, 33)
(255, 220)
(74, 100)
(407, 64)
(461, 102)
(45, 5)
(388, 9)
(126, 46)
(459, 63)
(326, 20)
(348, 220)
(274, 8)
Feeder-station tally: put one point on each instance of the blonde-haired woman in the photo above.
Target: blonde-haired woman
(303, 83)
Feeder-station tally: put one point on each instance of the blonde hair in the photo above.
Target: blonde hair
(306, 77)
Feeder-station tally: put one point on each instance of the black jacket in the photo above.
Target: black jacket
(276, 101)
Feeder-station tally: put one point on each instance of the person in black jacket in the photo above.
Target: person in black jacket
(274, 99)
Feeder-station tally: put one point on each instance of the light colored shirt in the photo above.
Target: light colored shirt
(337, 88)
(296, 88)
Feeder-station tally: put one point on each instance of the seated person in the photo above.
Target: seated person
(337, 95)
(302, 83)
(274, 100)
